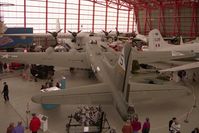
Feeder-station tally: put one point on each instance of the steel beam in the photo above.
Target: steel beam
(78, 25)
(24, 14)
(176, 30)
(117, 17)
(194, 24)
(46, 16)
(93, 19)
(106, 15)
(128, 20)
(46, 40)
(65, 12)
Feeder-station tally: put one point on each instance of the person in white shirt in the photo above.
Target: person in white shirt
(175, 127)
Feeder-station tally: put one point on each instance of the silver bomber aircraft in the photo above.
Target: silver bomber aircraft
(111, 70)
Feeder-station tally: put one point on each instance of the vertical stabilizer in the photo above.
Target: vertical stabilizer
(181, 41)
(57, 25)
(156, 41)
(123, 69)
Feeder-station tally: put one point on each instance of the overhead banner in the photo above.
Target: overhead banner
(9, 42)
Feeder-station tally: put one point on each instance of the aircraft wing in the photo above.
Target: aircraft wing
(182, 67)
(91, 94)
(152, 56)
(62, 59)
(35, 35)
(141, 37)
(123, 37)
(144, 87)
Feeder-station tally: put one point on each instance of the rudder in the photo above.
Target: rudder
(156, 41)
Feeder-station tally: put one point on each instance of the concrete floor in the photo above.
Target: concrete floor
(160, 107)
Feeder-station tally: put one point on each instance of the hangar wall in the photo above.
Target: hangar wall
(172, 20)
(74, 15)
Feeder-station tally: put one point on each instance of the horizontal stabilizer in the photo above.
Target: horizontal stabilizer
(91, 94)
(182, 67)
(141, 87)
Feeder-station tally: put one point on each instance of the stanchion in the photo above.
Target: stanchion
(194, 106)
(186, 119)
(27, 115)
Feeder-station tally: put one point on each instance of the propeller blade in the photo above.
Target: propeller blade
(74, 34)
(70, 31)
(49, 32)
(79, 31)
(59, 30)
(103, 31)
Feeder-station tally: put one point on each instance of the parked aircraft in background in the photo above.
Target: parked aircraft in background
(71, 38)
(133, 36)
(156, 43)
(195, 41)
(76, 40)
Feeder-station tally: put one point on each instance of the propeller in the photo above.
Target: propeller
(175, 40)
(74, 34)
(55, 34)
(107, 33)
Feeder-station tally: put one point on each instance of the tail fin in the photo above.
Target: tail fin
(57, 25)
(123, 69)
(156, 41)
(181, 41)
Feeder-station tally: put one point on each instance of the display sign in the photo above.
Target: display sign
(9, 42)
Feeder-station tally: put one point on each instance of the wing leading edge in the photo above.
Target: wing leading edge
(62, 59)
(182, 67)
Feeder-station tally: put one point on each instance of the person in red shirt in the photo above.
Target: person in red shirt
(146, 126)
(127, 128)
(136, 125)
(35, 123)
(10, 128)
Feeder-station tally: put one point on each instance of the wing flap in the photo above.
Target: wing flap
(92, 94)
